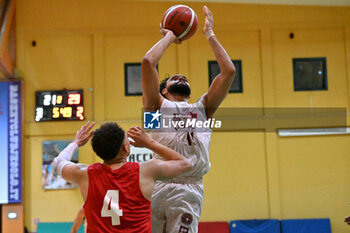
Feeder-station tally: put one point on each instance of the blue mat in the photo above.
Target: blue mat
(322, 225)
(255, 226)
(57, 227)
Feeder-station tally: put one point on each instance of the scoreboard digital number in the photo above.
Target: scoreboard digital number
(59, 105)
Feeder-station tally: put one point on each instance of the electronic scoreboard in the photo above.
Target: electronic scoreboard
(59, 105)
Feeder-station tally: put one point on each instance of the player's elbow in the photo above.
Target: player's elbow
(229, 74)
(148, 61)
(186, 165)
(230, 70)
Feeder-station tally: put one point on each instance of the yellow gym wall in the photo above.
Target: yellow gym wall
(256, 173)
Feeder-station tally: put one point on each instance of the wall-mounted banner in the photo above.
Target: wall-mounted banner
(139, 154)
(10, 142)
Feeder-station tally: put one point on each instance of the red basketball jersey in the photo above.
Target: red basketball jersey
(115, 202)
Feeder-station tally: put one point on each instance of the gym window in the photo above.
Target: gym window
(310, 74)
(236, 86)
(132, 72)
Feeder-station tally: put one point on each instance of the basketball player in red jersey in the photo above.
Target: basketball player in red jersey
(177, 204)
(116, 192)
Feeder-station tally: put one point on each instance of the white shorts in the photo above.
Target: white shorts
(176, 207)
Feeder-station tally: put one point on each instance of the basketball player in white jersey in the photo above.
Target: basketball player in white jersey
(177, 204)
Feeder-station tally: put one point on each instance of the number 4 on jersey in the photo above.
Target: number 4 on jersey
(112, 199)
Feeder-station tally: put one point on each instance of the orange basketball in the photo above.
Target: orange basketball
(182, 20)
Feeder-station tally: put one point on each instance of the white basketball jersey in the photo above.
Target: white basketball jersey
(192, 143)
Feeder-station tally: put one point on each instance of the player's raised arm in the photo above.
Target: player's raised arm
(152, 99)
(174, 164)
(63, 166)
(222, 82)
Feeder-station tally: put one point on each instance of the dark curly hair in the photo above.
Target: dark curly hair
(162, 85)
(108, 140)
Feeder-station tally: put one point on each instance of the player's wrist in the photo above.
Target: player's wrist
(171, 35)
(77, 143)
(151, 144)
(209, 34)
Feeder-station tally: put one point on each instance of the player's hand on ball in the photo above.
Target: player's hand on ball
(164, 32)
(84, 134)
(140, 137)
(208, 22)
